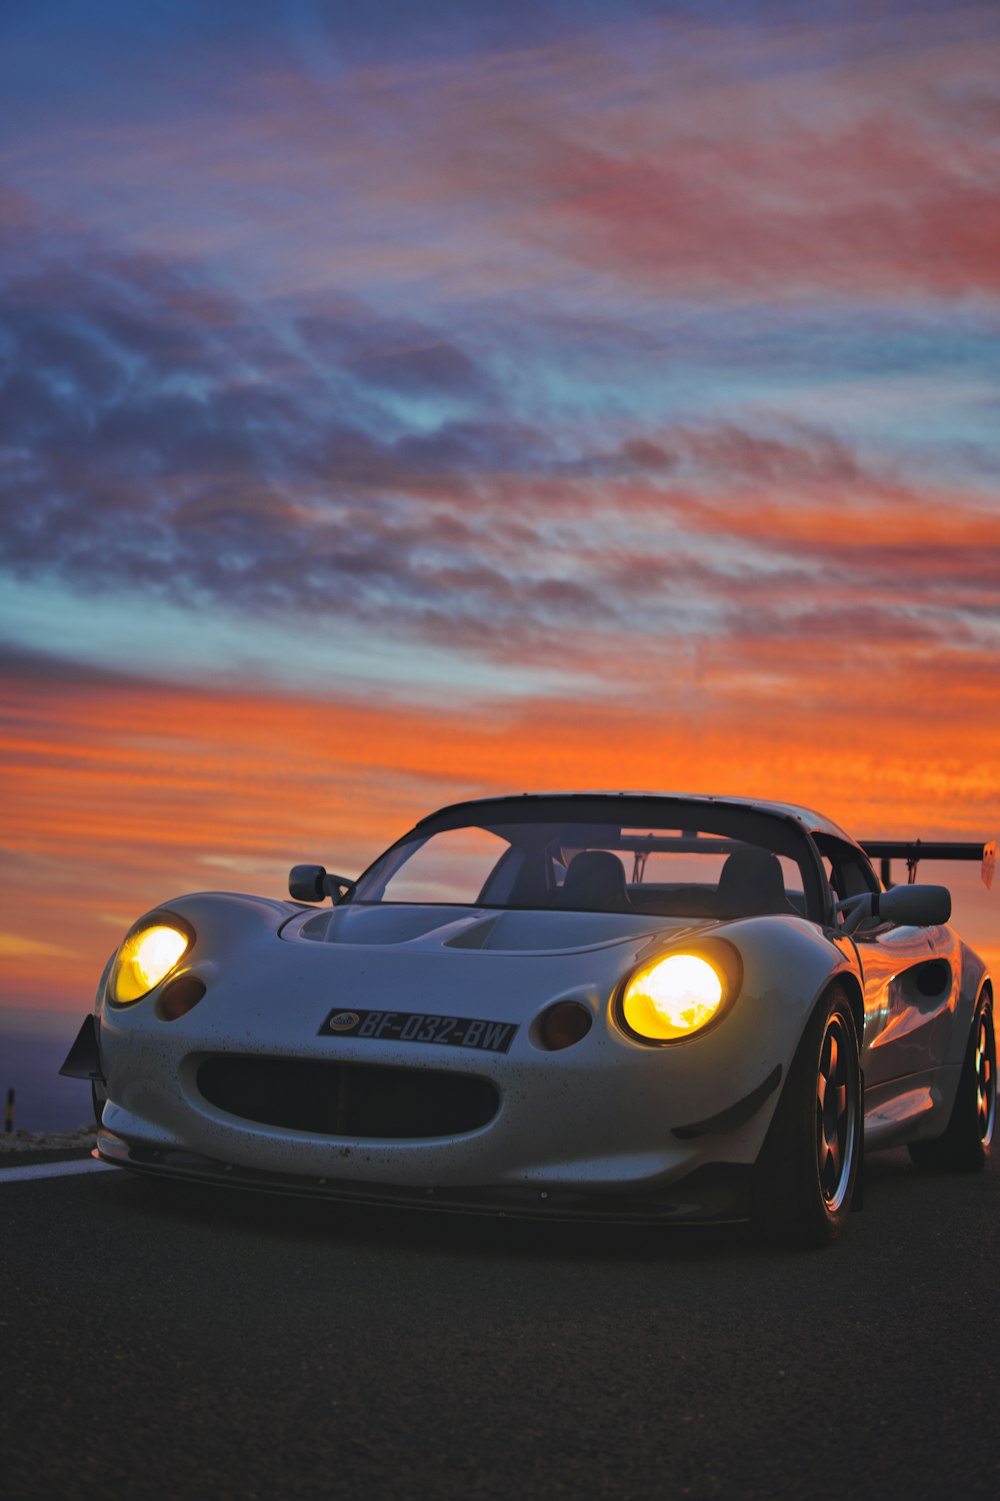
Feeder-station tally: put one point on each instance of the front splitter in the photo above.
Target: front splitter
(717, 1192)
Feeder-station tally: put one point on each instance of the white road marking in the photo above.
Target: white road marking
(53, 1170)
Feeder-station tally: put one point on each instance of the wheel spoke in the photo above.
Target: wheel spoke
(832, 1069)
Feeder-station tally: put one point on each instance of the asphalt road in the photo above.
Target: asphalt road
(193, 1343)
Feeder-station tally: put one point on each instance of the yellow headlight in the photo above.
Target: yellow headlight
(144, 959)
(673, 998)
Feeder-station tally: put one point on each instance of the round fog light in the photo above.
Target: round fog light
(178, 997)
(563, 1024)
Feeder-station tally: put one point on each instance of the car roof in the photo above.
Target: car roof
(807, 818)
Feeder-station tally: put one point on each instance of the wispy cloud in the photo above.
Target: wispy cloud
(165, 441)
(729, 160)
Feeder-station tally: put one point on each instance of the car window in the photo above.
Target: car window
(704, 862)
(847, 869)
(659, 869)
(452, 867)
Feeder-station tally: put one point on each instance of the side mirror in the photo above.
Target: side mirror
(908, 906)
(915, 906)
(311, 883)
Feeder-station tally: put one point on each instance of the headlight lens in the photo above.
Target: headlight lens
(673, 998)
(145, 958)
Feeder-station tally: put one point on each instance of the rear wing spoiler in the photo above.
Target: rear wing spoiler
(915, 850)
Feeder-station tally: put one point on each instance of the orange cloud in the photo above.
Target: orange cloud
(123, 795)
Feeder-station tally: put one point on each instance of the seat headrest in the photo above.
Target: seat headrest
(751, 883)
(595, 882)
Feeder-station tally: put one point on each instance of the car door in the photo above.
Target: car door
(906, 996)
(906, 990)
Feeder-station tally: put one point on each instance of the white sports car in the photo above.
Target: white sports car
(629, 1005)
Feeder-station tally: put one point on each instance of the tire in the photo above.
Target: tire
(966, 1143)
(806, 1173)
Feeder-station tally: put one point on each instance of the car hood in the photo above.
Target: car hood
(446, 927)
(274, 971)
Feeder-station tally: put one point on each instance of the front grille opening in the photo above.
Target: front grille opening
(348, 1099)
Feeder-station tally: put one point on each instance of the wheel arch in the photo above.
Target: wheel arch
(848, 982)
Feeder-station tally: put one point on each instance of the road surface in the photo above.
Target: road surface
(202, 1344)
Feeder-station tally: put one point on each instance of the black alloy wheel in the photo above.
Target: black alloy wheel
(807, 1171)
(836, 1111)
(965, 1145)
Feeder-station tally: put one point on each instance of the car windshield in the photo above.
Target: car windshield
(661, 857)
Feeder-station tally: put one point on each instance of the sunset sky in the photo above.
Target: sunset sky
(406, 401)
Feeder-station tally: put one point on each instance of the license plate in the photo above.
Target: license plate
(404, 1026)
